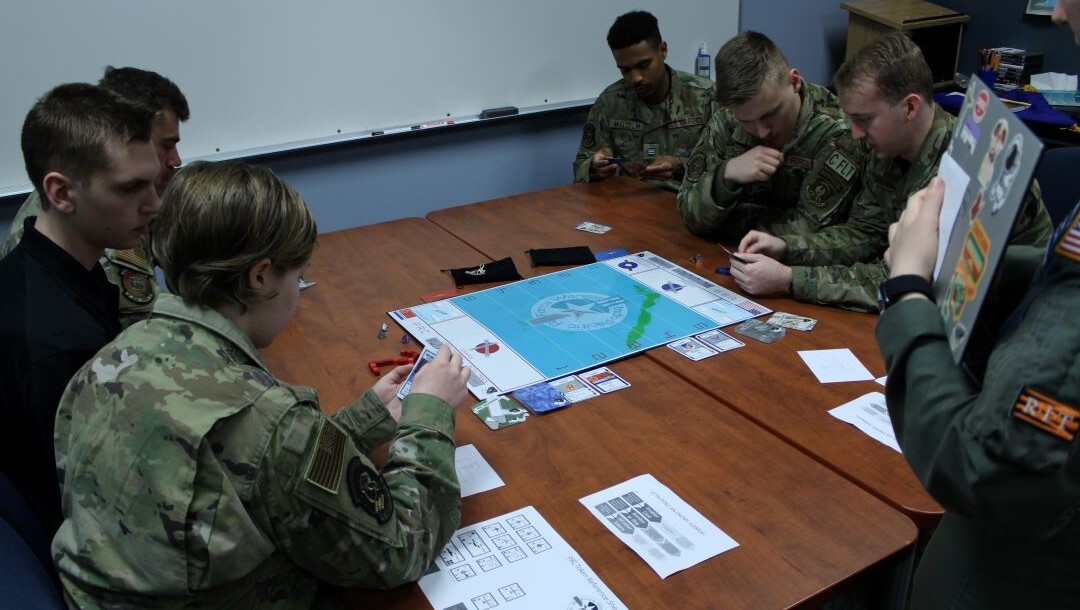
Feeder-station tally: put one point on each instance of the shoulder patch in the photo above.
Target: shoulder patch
(324, 471)
(1046, 413)
(588, 136)
(842, 165)
(368, 491)
(138, 287)
(696, 166)
(1068, 244)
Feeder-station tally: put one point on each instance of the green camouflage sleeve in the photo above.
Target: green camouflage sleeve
(594, 136)
(704, 201)
(1033, 225)
(367, 421)
(30, 207)
(851, 287)
(862, 237)
(347, 522)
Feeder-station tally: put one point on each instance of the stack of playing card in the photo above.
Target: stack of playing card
(762, 331)
(593, 227)
(792, 321)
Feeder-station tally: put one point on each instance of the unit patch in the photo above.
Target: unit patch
(843, 166)
(588, 136)
(368, 491)
(324, 471)
(832, 179)
(695, 167)
(1047, 414)
(137, 286)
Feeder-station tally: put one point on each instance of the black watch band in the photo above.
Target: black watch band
(890, 291)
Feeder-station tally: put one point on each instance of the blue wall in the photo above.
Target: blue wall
(811, 33)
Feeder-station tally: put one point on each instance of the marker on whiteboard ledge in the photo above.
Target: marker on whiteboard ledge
(494, 113)
(431, 124)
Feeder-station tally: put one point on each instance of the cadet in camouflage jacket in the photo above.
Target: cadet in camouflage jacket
(812, 189)
(842, 264)
(639, 133)
(132, 271)
(193, 478)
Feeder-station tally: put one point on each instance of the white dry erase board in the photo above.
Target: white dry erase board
(272, 75)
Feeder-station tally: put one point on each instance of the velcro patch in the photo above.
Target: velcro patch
(1047, 414)
(368, 491)
(138, 287)
(324, 471)
(588, 136)
(1068, 245)
(132, 256)
(696, 166)
(625, 124)
(795, 162)
(685, 122)
(842, 165)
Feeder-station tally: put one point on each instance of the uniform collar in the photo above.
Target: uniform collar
(173, 306)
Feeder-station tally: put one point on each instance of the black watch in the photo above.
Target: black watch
(890, 291)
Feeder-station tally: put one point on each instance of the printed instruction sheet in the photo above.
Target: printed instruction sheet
(869, 414)
(515, 561)
(658, 525)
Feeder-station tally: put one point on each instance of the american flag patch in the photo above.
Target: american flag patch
(1068, 245)
(324, 471)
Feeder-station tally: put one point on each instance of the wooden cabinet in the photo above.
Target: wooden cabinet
(936, 29)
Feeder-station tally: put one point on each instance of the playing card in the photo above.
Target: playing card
(719, 340)
(499, 412)
(541, 397)
(604, 379)
(426, 356)
(574, 389)
(692, 348)
(593, 227)
(792, 321)
(762, 331)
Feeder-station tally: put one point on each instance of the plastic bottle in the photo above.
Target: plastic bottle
(703, 65)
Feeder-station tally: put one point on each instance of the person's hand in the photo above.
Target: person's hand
(754, 165)
(600, 164)
(386, 389)
(760, 274)
(759, 242)
(664, 167)
(444, 377)
(913, 240)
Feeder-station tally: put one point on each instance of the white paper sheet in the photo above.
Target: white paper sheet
(869, 414)
(881, 380)
(513, 561)
(956, 183)
(832, 365)
(658, 525)
(474, 473)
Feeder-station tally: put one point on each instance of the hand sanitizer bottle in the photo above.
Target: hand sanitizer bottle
(703, 65)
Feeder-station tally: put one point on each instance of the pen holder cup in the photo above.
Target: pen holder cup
(988, 77)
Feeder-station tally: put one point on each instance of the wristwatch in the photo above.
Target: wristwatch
(890, 291)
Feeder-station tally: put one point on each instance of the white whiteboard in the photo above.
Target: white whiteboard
(270, 73)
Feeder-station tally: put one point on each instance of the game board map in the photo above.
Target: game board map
(552, 325)
(517, 561)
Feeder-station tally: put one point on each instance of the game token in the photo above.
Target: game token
(383, 331)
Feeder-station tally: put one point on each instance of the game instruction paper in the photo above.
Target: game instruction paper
(669, 534)
(869, 414)
(515, 561)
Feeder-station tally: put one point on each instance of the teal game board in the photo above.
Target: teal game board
(552, 325)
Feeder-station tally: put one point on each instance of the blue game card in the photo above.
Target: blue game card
(541, 397)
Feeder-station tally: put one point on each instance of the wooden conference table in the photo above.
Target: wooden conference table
(767, 383)
(802, 528)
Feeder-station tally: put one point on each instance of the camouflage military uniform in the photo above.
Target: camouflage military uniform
(193, 478)
(132, 271)
(843, 265)
(640, 133)
(812, 189)
(1000, 453)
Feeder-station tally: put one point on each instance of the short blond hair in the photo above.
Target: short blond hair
(217, 220)
(745, 65)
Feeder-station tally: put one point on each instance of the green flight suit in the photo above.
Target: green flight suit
(843, 265)
(999, 453)
(191, 477)
(132, 271)
(812, 189)
(638, 132)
